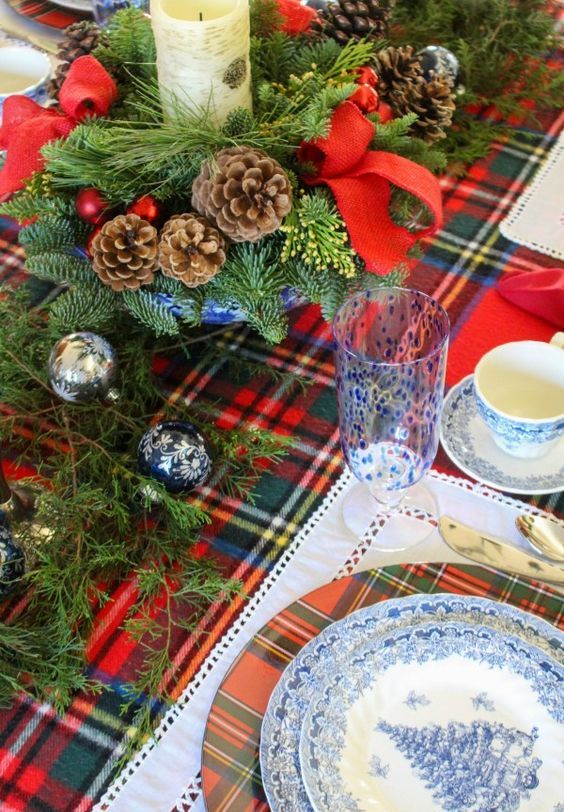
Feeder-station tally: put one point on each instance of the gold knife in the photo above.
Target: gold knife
(495, 553)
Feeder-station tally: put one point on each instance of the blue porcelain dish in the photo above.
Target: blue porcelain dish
(441, 717)
(302, 681)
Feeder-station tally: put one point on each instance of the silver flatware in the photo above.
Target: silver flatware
(544, 535)
(494, 552)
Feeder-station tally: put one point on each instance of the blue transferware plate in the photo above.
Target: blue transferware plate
(440, 717)
(301, 681)
(469, 444)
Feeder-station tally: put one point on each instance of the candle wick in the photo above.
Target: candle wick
(201, 17)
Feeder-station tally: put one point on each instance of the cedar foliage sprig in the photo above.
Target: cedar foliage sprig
(104, 527)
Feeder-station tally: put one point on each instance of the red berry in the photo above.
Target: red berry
(91, 206)
(385, 112)
(365, 98)
(366, 76)
(147, 208)
(200, 549)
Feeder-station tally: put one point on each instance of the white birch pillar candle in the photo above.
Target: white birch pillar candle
(203, 55)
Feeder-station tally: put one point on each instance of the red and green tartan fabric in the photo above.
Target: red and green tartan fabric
(231, 766)
(51, 14)
(54, 764)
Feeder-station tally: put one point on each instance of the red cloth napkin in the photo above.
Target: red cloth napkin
(540, 292)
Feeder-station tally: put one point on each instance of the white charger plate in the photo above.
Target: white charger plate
(469, 444)
(441, 717)
(304, 677)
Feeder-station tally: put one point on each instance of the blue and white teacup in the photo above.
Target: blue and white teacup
(23, 71)
(519, 391)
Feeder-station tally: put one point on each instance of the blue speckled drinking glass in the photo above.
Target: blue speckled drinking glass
(391, 351)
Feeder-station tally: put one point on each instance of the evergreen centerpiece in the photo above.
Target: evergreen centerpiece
(219, 211)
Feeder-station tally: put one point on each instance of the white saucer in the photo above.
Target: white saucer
(469, 444)
(75, 5)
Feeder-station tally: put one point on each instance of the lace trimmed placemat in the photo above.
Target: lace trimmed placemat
(536, 220)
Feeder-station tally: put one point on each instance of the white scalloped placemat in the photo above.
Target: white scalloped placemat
(536, 220)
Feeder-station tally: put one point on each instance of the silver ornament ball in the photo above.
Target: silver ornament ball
(82, 368)
(439, 63)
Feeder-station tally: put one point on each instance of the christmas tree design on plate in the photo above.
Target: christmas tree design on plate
(476, 767)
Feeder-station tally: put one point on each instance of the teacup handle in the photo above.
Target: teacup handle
(557, 340)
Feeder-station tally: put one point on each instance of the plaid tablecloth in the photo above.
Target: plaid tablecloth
(53, 764)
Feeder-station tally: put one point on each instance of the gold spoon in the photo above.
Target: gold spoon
(544, 535)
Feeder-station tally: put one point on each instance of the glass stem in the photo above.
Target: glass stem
(388, 499)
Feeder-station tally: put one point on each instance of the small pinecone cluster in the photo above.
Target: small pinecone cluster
(244, 192)
(124, 252)
(79, 39)
(353, 19)
(402, 85)
(191, 250)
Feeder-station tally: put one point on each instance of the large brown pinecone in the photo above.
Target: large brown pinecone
(191, 250)
(124, 253)
(244, 192)
(434, 104)
(353, 19)
(396, 68)
(79, 39)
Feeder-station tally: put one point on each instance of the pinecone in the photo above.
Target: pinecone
(191, 250)
(396, 68)
(124, 252)
(79, 39)
(349, 19)
(244, 192)
(434, 104)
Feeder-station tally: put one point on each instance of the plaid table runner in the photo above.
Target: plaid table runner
(231, 766)
(52, 764)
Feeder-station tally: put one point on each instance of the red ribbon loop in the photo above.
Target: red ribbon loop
(87, 90)
(360, 181)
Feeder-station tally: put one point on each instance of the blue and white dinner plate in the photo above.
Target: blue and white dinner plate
(302, 680)
(469, 444)
(440, 717)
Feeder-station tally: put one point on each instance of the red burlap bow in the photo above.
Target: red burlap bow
(360, 181)
(87, 90)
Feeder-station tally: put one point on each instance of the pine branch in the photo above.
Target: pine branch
(60, 267)
(85, 307)
(253, 279)
(150, 312)
(53, 233)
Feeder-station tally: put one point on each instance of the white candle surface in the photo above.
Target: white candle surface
(203, 55)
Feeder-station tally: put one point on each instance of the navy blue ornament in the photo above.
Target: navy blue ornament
(176, 454)
(11, 562)
(439, 63)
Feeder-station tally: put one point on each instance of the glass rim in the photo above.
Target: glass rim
(393, 288)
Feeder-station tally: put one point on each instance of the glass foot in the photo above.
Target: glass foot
(414, 514)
